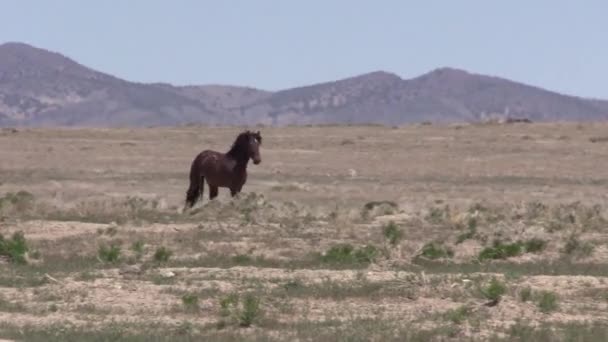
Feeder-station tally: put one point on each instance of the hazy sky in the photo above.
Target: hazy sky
(557, 44)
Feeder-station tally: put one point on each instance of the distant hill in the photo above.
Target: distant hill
(43, 88)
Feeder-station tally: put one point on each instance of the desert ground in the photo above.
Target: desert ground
(489, 232)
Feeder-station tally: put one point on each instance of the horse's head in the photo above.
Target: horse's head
(255, 140)
(247, 146)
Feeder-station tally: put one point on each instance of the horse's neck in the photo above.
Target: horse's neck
(240, 163)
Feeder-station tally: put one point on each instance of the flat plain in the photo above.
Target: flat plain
(482, 232)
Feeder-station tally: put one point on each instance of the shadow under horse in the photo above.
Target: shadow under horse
(223, 170)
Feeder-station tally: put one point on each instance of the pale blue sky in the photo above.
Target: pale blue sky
(557, 44)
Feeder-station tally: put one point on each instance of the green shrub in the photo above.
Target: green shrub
(15, 248)
(244, 313)
(525, 294)
(393, 233)
(347, 254)
(575, 247)
(242, 259)
(458, 315)
(501, 251)
(438, 215)
(435, 250)
(535, 245)
(138, 248)
(190, 301)
(547, 301)
(109, 254)
(251, 309)
(19, 201)
(494, 290)
(162, 254)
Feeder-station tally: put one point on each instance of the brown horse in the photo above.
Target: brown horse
(223, 170)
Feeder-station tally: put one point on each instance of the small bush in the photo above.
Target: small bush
(501, 251)
(525, 294)
(470, 233)
(347, 254)
(494, 290)
(190, 301)
(535, 245)
(438, 215)
(109, 254)
(242, 259)
(244, 313)
(376, 208)
(251, 308)
(15, 248)
(392, 233)
(434, 251)
(465, 236)
(111, 231)
(292, 285)
(458, 315)
(162, 254)
(374, 204)
(228, 302)
(547, 301)
(366, 254)
(574, 247)
(19, 201)
(138, 248)
(598, 139)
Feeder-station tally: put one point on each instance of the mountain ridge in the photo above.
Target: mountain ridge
(44, 88)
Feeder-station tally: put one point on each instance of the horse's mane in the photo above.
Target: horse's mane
(239, 147)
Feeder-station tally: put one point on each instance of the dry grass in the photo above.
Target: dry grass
(435, 222)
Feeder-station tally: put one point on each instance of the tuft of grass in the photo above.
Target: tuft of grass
(8, 306)
(292, 285)
(190, 301)
(494, 290)
(109, 254)
(525, 294)
(598, 139)
(162, 254)
(251, 310)
(535, 245)
(433, 250)
(138, 248)
(227, 302)
(471, 231)
(501, 251)
(547, 301)
(347, 254)
(438, 215)
(241, 312)
(15, 248)
(376, 208)
(392, 233)
(458, 315)
(111, 230)
(242, 259)
(19, 202)
(374, 204)
(576, 248)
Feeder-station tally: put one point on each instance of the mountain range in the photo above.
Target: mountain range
(44, 88)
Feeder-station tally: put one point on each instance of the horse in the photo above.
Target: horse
(223, 170)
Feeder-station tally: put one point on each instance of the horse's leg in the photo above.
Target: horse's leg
(213, 191)
(236, 188)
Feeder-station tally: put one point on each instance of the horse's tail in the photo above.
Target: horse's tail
(196, 183)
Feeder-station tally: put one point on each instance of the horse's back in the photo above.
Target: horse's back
(209, 156)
